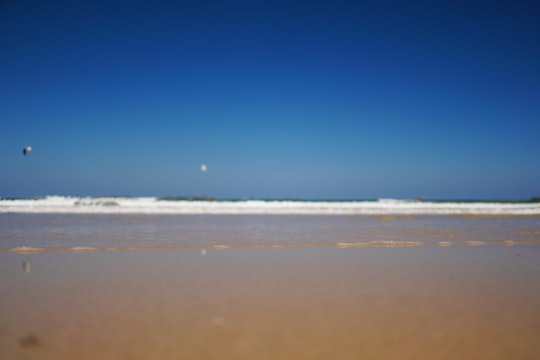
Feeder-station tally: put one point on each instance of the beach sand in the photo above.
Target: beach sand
(426, 302)
(269, 287)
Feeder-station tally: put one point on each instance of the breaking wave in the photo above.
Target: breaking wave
(153, 205)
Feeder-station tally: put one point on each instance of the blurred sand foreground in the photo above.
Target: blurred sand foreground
(457, 302)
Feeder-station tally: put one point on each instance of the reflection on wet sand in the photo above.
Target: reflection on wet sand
(424, 302)
(269, 287)
(26, 266)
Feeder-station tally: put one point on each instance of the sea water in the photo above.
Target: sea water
(154, 205)
(92, 224)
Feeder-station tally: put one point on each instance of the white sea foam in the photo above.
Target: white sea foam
(82, 249)
(151, 205)
(26, 250)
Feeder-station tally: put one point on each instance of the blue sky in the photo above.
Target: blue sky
(332, 99)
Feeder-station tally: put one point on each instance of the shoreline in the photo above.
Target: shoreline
(343, 245)
(82, 233)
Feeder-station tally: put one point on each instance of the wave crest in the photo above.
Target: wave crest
(152, 205)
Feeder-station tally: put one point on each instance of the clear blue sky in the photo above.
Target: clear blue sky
(332, 99)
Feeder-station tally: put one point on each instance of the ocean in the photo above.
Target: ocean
(79, 224)
(179, 205)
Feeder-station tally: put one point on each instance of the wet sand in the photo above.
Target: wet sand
(350, 302)
(76, 232)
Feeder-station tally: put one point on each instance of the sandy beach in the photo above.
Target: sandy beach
(280, 180)
(439, 300)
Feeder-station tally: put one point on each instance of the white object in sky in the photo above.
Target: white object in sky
(26, 150)
(203, 168)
